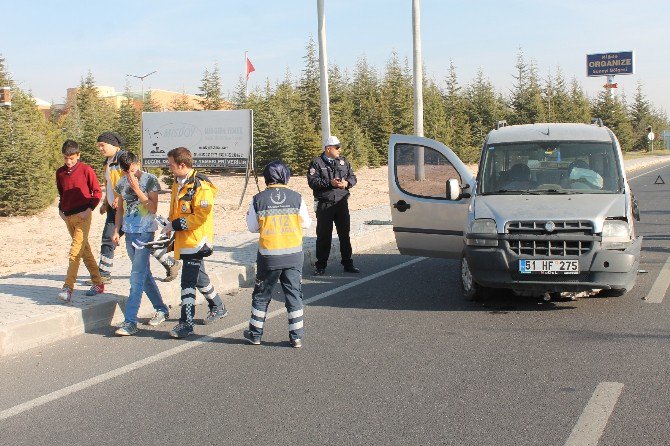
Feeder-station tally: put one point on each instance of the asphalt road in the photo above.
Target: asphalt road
(392, 356)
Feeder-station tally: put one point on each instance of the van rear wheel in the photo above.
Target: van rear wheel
(471, 290)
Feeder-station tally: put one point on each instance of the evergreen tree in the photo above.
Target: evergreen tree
(397, 96)
(308, 85)
(613, 113)
(27, 153)
(181, 103)
(367, 113)
(150, 104)
(526, 100)
(434, 113)
(640, 119)
(580, 108)
(485, 108)
(459, 137)
(210, 89)
(557, 98)
(86, 118)
(239, 99)
(130, 123)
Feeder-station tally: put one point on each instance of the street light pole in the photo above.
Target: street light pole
(141, 78)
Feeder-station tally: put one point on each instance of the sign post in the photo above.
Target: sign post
(610, 64)
(218, 139)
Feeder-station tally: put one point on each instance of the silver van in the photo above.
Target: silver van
(550, 210)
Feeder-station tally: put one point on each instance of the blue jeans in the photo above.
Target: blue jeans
(141, 279)
(291, 283)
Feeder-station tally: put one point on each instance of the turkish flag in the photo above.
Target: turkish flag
(250, 68)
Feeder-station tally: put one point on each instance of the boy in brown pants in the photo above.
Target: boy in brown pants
(79, 193)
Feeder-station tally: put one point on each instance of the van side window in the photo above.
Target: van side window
(437, 170)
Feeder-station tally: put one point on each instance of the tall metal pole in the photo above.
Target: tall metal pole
(323, 70)
(419, 168)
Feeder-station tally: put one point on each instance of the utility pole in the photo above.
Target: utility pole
(419, 168)
(323, 70)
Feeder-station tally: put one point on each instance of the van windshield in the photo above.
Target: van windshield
(546, 167)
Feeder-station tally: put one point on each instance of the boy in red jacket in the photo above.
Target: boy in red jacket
(80, 193)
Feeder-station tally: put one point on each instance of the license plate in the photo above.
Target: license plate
(549, 266)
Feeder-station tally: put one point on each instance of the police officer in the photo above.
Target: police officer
(330, 177)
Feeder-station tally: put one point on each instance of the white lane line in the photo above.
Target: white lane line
(592, 421)
(643, 174)
(660, 286)
(39, 401)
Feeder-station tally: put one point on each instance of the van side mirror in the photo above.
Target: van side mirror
(454, 191)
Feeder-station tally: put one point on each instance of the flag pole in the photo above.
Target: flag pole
(246, 82)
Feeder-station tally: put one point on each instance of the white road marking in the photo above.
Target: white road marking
(592, 421)
(643, 174)
(39, 401)
(660, 286)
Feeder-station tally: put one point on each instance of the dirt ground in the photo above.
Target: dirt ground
(41, 242)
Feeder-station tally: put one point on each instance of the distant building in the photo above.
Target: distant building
(43, 106)
(164, 99)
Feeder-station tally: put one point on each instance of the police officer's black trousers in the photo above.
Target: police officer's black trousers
(193, 276)
(326, 215)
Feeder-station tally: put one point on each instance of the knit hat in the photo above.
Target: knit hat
(112, 138)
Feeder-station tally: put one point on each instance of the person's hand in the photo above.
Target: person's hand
(167, 229)
(115, 238)
(133, 182)
(85, 214)
(103, 207)
(115, 203)
(335, 182)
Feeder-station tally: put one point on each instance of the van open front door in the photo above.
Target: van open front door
(428, 220)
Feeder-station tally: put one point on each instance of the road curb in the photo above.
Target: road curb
(107, 310)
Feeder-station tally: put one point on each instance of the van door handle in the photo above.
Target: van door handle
(402, 205)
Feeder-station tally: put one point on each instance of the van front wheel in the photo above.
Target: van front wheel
(471, 289)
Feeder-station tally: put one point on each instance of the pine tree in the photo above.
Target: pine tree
(27, 153)
(88, 117)
(526, 100)
(640, 119)
(180, 103)
(210, 89)
(309, 85)
(485, 108)
(614, 115)
(367, 113)
(130, 123)
(397, 96)
(434, 114)
(579, 109)
(459, 137)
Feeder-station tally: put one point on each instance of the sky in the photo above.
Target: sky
(49, 46)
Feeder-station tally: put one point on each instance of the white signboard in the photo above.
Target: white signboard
(216, 138)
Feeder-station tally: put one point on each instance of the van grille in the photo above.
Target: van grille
(530, 238)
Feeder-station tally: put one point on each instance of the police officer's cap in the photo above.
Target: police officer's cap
(332, 141)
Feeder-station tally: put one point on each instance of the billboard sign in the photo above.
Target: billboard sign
(610, 64)
(217, 138)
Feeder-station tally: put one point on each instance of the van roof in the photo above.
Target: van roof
(549, 132)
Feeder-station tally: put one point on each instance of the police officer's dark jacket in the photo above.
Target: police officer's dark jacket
(321, 171)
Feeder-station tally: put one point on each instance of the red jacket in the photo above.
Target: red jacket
(78, 188)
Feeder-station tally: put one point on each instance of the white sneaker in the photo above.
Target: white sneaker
(65, 294)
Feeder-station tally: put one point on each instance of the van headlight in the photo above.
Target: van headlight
(616, 234)
(483, 232)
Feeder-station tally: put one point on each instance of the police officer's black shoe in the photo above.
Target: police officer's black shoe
(351, 269)
(319, 271)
